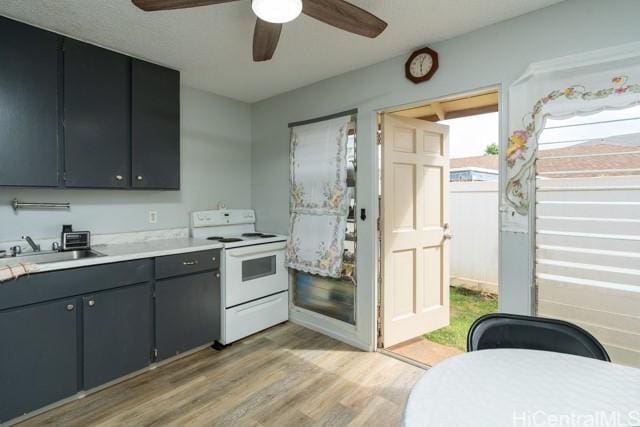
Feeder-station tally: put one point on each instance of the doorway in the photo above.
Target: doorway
(439, 177)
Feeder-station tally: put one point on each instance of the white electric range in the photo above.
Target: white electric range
(255, 282)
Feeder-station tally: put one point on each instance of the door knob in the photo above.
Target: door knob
(119, 177)
(217, 275)
(448, 236)
(139, 177)
(70, 307)
(92, 303)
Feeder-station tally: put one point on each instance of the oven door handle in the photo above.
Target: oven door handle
(249, 251)
(249, 254)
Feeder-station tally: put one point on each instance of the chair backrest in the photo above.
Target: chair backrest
(500, 330)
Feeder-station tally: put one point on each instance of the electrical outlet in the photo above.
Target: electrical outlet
(153, 217)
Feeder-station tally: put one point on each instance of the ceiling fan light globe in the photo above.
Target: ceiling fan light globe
(277, 11)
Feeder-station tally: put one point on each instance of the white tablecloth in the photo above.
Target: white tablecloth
(527, 388)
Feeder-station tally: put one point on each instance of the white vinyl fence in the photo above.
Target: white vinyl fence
(588, 258)
(474, 224)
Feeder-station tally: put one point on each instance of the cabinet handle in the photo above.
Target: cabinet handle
(194, 262)
(92, 303)
(119, 177)
(217, 275)
(139, 177)
(70, 307)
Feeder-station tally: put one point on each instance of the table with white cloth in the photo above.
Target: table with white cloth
(513, 387)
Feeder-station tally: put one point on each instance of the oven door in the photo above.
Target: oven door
(253, 272)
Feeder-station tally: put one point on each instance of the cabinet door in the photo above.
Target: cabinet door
(38, 357)
(187, 313)
(28, 105)
(96, 117)
(117, 332)
(155, 115)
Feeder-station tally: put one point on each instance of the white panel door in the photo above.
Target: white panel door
(415, 239)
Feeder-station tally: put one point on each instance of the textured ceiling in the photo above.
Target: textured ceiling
(212, 45)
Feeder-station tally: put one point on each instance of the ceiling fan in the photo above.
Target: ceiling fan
(273, 13)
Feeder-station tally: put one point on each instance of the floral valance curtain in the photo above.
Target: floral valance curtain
(319, 203)
(561, 88)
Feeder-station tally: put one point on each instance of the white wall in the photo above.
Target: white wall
(494, 55)
(473, 212)
(215, 165)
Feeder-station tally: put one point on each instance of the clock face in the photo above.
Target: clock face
(421, 65)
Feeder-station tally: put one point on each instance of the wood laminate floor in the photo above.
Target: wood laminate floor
(285, 376)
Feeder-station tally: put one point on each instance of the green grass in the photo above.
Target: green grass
(466, 306)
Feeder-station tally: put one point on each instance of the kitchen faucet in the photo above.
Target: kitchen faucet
(36, 248)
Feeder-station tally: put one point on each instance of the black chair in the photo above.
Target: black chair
(500, 330)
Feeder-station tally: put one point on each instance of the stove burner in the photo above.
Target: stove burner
(214, 238)
(230, 240)
(264, 236)
(251, 234)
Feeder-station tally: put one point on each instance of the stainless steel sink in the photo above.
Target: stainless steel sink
(48, 257)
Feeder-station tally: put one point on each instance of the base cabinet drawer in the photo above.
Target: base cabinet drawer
(189, 263)
(187, 313)
(38, 357)
(117, 331)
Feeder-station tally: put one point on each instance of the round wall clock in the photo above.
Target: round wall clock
(421, 65)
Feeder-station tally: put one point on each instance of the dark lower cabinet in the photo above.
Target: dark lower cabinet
(38, 356)
(96, 116)
(187, 313)
(56, 338)
(155, 126)
(28, 105)
(117, 331)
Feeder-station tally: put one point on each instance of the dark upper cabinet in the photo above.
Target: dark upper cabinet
(155, 126)
(96, 117)
(187, 313)
(117, 330)
(29, 126)
(76, 115)
(38, 356)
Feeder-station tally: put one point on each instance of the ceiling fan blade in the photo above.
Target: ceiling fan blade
(153, 5)
(265, 40)
(344, 15)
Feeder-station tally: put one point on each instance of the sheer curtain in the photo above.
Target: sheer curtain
(319, 202)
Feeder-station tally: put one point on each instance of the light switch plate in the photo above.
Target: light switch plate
(153, 217)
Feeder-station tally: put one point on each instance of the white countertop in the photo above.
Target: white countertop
(512, 387)
(119, 252)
